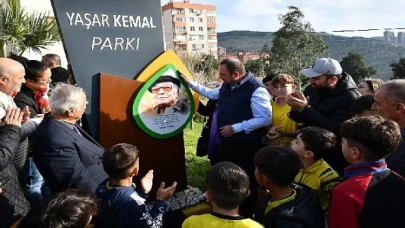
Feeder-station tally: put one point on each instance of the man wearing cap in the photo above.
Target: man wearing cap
(326, 102)
(166, 92)
(244, 109)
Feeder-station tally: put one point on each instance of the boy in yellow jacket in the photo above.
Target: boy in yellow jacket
(311, 145)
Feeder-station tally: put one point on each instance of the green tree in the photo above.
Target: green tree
(25, 31)
(204, 68)
(398, 69)
(353, 64)
(256, 66)
(295, 45)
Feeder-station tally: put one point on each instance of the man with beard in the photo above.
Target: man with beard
(326, 102)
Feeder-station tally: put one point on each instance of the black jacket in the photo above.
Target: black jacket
(13, 204)
(328, 109)
(302, 212)
(67, 159)
(396, 159)
(26, 98)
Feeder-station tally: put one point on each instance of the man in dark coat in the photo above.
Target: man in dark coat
(326, 102)
(67, 156)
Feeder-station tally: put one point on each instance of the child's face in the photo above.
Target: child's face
(282, 90)
(259, 177)
(351, 154)
(298, 146)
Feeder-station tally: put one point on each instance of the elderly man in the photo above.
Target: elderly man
(244, 110)
(66, 156)
(166, 92)
(389, 101)
(51, 60)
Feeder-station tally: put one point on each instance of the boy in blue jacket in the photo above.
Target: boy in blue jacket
(122, 203)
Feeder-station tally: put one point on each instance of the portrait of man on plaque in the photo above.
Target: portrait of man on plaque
(164, 105)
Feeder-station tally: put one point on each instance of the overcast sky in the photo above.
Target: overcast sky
(325, 16)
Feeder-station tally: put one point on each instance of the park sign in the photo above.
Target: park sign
(119, 37)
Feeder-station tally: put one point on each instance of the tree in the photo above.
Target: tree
(203, 68)
(398, 69)
(353, 64)
(25, 31)
(256, 66)
(295, 45)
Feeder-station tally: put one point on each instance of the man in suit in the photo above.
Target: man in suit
(65, 154)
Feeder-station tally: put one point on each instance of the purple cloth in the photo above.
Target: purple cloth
(214, 134)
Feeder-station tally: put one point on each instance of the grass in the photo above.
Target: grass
(196, 166)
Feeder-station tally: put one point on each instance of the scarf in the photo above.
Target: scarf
(41, 101)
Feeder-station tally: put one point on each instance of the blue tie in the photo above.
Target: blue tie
(76, 129)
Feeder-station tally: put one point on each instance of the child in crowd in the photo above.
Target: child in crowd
(362, 106)
(288, 204)
(228, 186)
(311, 145)
(371, 195)
(283, 85)
(122, 204)
(71, 208)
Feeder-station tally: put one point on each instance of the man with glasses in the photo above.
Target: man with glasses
(326, 102)
(166, 93)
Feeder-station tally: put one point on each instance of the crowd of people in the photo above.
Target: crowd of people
(331, 156)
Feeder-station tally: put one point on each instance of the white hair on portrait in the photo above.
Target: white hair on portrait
(64, 98)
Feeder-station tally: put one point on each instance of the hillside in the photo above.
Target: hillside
(376, 52)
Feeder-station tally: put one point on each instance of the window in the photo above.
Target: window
(201, 37)
(191, 10)
(212, 47)
(200, 29)
(194, 46)
(200, 20)
(211, 30)
(181, 19)
(212, 37)
(191, 19)
(179, 29)
(211, 20)
(192, 28)
(202, 45)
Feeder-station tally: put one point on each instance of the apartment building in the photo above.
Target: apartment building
(190, 28)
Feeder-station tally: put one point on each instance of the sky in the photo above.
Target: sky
(324, 15)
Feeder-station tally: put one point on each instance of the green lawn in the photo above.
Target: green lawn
(196, 166)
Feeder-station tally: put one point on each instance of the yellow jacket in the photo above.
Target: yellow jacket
(220, 221)
(322, 178)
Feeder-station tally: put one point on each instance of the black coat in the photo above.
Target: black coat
(26, 98)
(304, 211)
(328, 109)
(13, 204)
(65, 158)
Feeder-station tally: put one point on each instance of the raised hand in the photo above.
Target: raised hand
(275, 133)
(14, 116)
(184, 77)
(147, 182)
(165, 193)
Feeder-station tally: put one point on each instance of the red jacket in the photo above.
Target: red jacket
(371, 196)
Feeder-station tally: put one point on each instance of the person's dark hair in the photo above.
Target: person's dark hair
(372, 83)
(268, 78)
(280, 164)
(69, 68)
(318, 140)
(18, 58)
(362, 104)
(48, 58)
(234, 65)
(60, 74)
(228, 185)
(118, 159)
(70, 209)
(374, 136)
(33, 69)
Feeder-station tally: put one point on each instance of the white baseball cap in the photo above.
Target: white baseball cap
(323, 66)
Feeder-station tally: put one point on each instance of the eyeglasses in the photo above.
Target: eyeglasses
(166, 88)
(45, 80)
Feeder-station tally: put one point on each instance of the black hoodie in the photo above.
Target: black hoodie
(304, 211)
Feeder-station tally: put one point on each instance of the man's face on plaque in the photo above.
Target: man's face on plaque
(166, 93)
